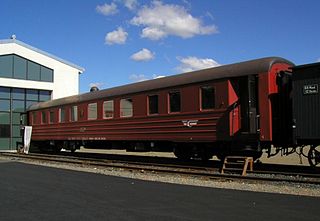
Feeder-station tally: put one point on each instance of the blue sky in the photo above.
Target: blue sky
(123, 41)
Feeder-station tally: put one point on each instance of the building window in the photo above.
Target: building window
(14, 66)
(174, 102)
(6, 66)
(44, 95)
(62, 115)
(74, 113)
(33, 71)
(51, 117)
(43, 117)
(92, 111)
(19, 68)
(46, 74)
(108, 109)
(126, 107)
(4, 105)
(153, 104)
(207, 97)
(4, 130)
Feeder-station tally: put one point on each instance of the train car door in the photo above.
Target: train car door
(249, 107)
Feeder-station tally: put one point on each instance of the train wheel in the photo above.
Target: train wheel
(314, 156)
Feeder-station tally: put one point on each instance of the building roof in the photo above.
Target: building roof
(252, 67)
(13, 40)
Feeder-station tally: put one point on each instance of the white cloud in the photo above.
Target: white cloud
(130, 4)
(107, 9)
(118, 36)
(96, 84)
(142, 77)
(143, 55)
(194, 63)
(160, 20)
(138, 77)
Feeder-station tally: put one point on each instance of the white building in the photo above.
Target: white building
(29, 75)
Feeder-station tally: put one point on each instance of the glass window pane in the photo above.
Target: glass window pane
(16, 131)
(174, 101)
(4, 143)
(4, 105)
(43, 117)
(18, 93)
(33, 71)
(4, 118)
(34, 118)
(5, 92)
(20, 68)
(16, 118)
(15, 141)
(92, 111)
(74, 113)
(4, 130)
(6, 64)
(108, 109)
(62, 115)
(32, 95)
(126, 107)
(46, 74)
(207, 97)
(30, 103)
(51, 117)
(45, 96)
(153, 104)
(18, 106)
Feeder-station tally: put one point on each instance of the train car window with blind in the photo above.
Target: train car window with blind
(153, 104)
(92, 111)
(62, 115)
(126, 107)
(51, 117)
(207, 97)
(108, 109)
(43, 117)
(74, 113)
(174, 101)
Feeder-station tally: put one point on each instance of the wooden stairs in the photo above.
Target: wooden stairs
(237, 164)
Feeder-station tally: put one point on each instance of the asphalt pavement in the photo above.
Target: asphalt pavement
(31, 192)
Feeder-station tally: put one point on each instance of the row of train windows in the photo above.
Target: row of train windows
(207, 100)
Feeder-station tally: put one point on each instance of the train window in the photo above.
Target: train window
(207, 97)
(43, 117)
(92, 111)
(51, 117)
(153, 104)
(108, 109)
(74, 113)
(34, 118)
(174, 101)
(126, 107)
(62, 115)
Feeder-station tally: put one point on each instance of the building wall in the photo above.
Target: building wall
(66, 78)
(16, 95)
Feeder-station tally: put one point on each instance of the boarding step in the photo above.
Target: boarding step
(237, 164)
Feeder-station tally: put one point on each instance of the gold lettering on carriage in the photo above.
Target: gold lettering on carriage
(190, 123)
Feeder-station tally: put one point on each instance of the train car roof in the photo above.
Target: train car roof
(226, 71)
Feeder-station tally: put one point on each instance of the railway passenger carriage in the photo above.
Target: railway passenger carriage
(233, 109)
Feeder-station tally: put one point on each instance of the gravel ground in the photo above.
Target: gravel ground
(277, 187)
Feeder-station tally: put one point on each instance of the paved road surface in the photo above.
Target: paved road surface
(30, 192)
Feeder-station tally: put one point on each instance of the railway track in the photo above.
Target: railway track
(258, 175)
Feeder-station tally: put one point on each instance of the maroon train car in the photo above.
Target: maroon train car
(231, 109)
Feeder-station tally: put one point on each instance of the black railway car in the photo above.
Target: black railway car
(306, 108)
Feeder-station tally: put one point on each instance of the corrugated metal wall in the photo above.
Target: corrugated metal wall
(306, 101)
